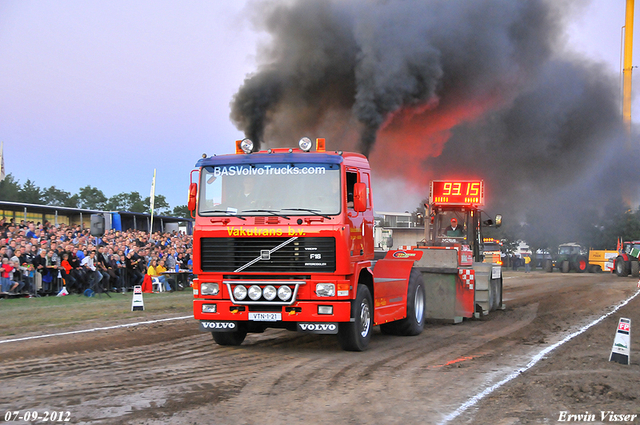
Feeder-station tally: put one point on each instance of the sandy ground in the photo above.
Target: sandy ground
(170, 373)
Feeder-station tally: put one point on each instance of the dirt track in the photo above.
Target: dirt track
(171, 373)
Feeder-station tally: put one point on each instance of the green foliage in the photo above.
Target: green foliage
(55, 196)
(160, 205)
(181, 211)
(10, 189)
(131, 201)
(92, 198)
(30, 193)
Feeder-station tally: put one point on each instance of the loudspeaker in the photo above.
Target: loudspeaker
(97, 224)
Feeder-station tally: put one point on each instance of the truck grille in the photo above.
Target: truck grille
(302, 255)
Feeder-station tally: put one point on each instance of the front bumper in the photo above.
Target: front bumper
(301, 311)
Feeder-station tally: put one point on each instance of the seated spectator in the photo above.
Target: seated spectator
(93, 275)
(118, 267)
(151, 271)
(66, 269)
(7, 274)
(160, 269)
(131, 263)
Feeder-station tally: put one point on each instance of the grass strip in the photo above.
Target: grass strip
(22, 315)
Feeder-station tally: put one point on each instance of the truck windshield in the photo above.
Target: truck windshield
(270, 189)
(451, 227)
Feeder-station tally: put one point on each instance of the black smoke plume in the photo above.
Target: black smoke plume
(439, 88)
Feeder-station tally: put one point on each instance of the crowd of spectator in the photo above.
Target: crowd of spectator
(42, 258)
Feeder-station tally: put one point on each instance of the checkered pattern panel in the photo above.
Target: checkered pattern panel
(468, 277)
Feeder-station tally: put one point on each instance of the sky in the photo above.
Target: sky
(101, 93)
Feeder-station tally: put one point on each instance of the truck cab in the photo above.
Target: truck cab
(283, 238)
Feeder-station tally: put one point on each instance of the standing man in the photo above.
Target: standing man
(527, 264)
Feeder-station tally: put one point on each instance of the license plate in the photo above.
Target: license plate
(265, 317)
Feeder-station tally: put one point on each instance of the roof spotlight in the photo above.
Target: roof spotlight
(305, 144)
(246, 145)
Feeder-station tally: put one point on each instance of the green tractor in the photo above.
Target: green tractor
(571, 256)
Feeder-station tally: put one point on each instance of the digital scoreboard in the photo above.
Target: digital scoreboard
(457, 192)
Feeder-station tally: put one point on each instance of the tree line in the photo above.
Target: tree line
(88, 197)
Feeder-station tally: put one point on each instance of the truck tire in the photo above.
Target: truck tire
(413, 324)
(635, 268)
(355, 336)
(581, 264)
(621, 268)
(565, 266)
(548, 266)
(229, 338)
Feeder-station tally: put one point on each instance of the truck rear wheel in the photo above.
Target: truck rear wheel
(413, 324)
(565, 266)
(581, 264)
(621, 267)
(548, 266)
(355, 336)
(229, 338)
(635, 269)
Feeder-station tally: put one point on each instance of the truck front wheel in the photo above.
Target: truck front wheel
(229, 338)
(548, 266)
(635, 268)
(355, 336)
(565, 266)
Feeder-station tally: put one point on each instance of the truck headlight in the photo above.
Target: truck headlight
(255, 292)
(325, 290)
(209, 288)
(240, 292)
(269, 293)
(284, 293)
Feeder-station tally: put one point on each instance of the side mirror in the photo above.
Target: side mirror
(359, 197)
(193, 192)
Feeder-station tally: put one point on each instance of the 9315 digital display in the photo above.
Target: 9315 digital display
(457, 192)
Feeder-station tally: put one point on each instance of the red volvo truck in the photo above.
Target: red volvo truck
(283, 238)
